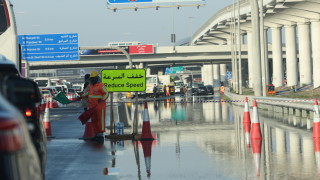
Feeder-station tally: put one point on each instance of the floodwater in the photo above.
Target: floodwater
(200, 138)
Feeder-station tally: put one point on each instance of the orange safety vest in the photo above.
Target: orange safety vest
(222, 88)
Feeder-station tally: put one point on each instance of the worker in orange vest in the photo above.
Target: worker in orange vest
(222, 90)
(97, 96)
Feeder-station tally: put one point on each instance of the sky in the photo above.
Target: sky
(96, 25)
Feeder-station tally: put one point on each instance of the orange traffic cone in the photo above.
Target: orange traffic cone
(316, 144)
(46, 121)
(255, 125)
(146, 146)
(50, 104)
(316, 120)
(246, 122)
(88, 132)
(42, 105)
(146, 129)
(256, 150)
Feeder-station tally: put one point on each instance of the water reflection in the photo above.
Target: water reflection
(213, 144)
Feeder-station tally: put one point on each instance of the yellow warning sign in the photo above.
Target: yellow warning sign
(124, 80)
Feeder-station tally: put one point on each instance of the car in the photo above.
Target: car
(52, 90)
(19, 158)
(210, 89)
(59, 89)
(25, 96)
(199, 90)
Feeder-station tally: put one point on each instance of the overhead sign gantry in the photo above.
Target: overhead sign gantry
(143, 4)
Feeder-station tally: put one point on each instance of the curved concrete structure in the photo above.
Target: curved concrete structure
(299, 19)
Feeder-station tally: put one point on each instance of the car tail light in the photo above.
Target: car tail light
(28, 113)
(10, 135)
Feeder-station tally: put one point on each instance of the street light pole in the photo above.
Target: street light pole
(256, 48)
(262, 44)
(239, 50)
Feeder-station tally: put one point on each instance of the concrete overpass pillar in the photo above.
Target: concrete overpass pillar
(223, 73)
(250, 59)
(203, 73)
(216, 75)
(315, 33)
(305, 65)
(148, 71)
(291, 56)
(278, 72)
(209, 74)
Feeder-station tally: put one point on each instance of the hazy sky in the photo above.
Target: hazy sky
(96, 25)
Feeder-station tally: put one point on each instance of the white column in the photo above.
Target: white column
(216, 75)
(305, 65)
(209, 74)
(315, 33)
(250, 59)
(277, 77)
(223, 73)
(148, 71)
(202, 73)
(291, 56)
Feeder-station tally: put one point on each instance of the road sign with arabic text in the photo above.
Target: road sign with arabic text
(49, 47)
(124, 80)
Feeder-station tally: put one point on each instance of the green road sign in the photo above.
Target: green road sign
(124, 80)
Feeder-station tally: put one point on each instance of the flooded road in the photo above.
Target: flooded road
(195, 138)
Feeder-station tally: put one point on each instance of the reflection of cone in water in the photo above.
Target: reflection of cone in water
(255, 125)
(88, 132)
(146, 146)
(316, 120)
(316, 144)
(46, 120)
(146, 129)
(247, 122)
(256, 150)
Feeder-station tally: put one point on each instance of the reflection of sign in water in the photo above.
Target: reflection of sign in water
(49, 47)
(178, 114)
(126, 80)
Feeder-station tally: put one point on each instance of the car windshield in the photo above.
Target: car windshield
(58, 88)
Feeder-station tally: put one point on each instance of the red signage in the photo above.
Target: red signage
(141, 49)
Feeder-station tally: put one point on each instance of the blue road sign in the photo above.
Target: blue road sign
(49, 47)
(228, 75)
(127, 1)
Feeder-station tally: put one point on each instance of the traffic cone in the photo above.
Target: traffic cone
(88, 132)
(46, 121)
(42, 105)
(146, 129)
(147, 146)
(316, 120)
(256, 151)
(316, 144)
(255, 125)
(246, 122)
(50, 104)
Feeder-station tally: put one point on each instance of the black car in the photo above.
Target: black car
(210, 89)
(24, 95)
(200, 90)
